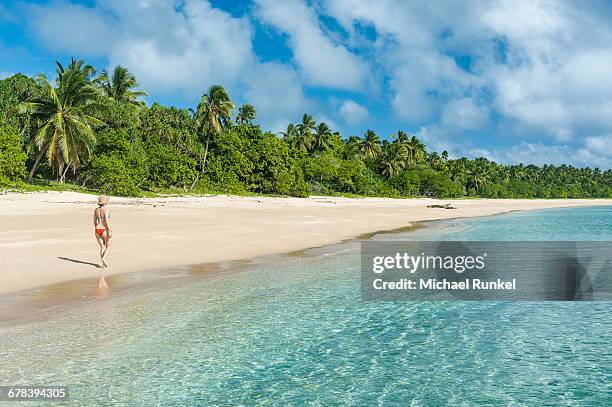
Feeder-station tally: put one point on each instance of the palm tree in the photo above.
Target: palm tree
(212, 115)
(416, 150)
(458, 170)
(322, 137)
(303, 139)
(120, 86)
(401, 138)
(246, 114)
(393, 159)
(291, 133)
(478, 177)
(370, 145)
(78, 65)
(517, 171)
(352, 148)
(64, 117)
(307, 122)
(434, 160)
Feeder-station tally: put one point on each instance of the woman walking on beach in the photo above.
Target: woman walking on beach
(102, 229)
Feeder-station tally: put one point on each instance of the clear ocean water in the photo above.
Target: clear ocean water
(294, 331)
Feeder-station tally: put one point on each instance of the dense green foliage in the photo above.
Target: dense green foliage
(98, 128)
(14, 90)
(12, 156)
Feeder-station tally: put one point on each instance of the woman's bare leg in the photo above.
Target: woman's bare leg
(108, 244)
(102, 244)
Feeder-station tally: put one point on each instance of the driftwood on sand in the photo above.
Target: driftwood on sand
(445, 206)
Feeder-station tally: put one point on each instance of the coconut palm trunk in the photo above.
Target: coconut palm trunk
(63, 177)
(197, 178)
(33, 170)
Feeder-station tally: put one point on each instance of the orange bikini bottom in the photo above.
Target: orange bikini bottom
(100, 232)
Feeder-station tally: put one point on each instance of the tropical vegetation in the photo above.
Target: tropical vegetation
(95, 131)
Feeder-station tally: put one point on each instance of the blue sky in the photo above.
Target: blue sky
(514, 81)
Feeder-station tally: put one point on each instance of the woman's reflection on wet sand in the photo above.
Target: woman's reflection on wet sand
(103, 290)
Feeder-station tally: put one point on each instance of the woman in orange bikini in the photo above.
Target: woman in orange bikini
(102, 229)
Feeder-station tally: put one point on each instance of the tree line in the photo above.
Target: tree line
(93, 129)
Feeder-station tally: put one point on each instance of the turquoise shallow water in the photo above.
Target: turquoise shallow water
(295, 332)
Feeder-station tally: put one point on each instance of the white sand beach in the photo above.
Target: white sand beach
(48, 238)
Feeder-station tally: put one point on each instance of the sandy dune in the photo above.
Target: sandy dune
(48, 238)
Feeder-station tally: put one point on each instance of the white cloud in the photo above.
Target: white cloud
(558, 100)
(169, 50)
(274, 89)
(352, 112)
(600, 144)
(438, 138)
(556, 77)
(542, 23)
(464, 113)
(320, 60)
(71, 28)
(407, 50)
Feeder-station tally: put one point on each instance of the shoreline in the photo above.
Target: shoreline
(32, 304)
(45, 238)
